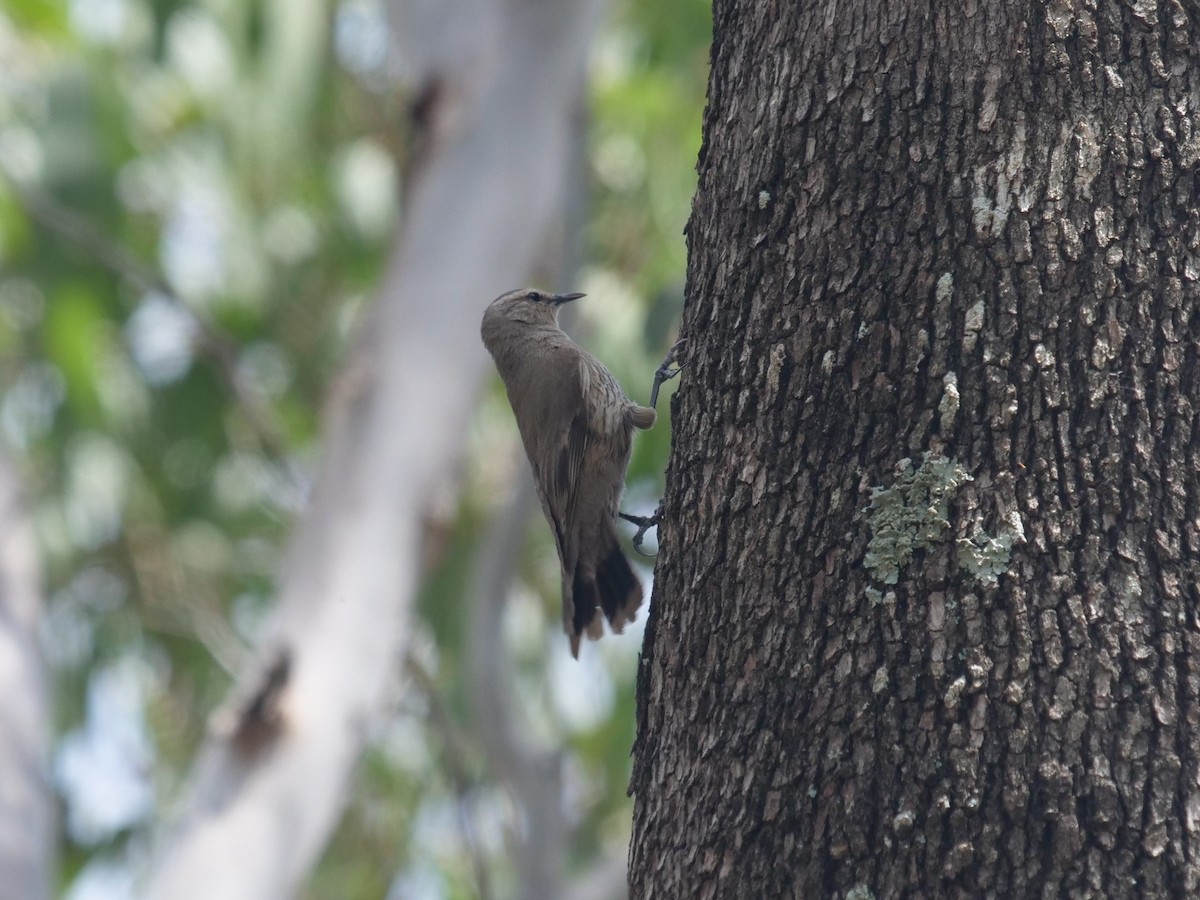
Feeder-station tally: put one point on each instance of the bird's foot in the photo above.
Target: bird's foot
(671, 366)
(644, 524)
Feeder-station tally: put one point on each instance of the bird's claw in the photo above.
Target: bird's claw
(644, 524)
(671, 366)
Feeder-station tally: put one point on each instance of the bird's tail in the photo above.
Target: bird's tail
(620, 591)
(612, 589)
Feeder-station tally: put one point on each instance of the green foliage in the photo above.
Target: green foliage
(75, 327)
(196, 192)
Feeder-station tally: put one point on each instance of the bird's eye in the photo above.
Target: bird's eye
(535, 296)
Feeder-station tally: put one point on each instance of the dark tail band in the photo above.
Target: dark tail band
(614, 589)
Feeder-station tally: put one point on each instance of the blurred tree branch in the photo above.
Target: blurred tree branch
(607, 880)
(26, 800)
(454, 743)
(532, 772)
(478, 210)
(79, 230)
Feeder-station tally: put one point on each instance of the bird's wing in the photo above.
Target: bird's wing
(599, 428)
(549, 407)
(563, 451)
(571, 419)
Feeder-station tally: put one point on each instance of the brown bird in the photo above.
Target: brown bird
(576, 424)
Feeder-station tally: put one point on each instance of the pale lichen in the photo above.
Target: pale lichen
(910, 515)
(990, 208)
(903, 822)
(948, 407)
(985, 556)
(954, 692)
(972, 325)
(775, 367)
(1088, 157)
(991, 105)
(882, 600)
(945, 287)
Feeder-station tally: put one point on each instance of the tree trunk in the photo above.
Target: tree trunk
(925, 617)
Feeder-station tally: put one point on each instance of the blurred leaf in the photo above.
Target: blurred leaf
(75, 328)
(47, 18)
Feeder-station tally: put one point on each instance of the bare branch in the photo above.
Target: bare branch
(477, 211)
(79, 230)
(607, 880)
(26, 801)
(455, 764)
(533, 773)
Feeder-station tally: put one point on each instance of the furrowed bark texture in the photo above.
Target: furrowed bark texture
(963, 235)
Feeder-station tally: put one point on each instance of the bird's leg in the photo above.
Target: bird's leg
(671, 366)
(644, 524)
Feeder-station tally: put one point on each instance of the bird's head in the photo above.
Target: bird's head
(528, 306)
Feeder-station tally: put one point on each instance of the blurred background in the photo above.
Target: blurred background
(197, 200)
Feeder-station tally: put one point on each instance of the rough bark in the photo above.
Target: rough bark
(26, 800)
(963, 235)
(499, 83)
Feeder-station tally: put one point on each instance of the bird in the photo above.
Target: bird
(576, 425)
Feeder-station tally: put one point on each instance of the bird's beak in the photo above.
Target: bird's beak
(560, 299)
